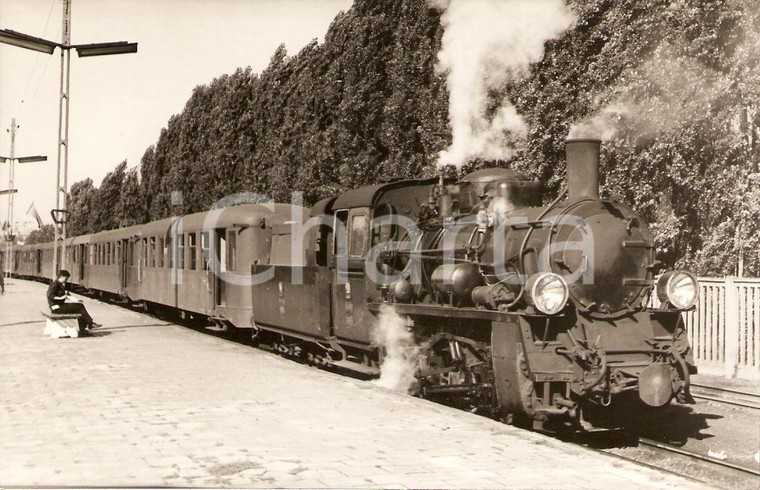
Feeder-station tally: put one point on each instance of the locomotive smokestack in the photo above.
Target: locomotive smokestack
(582, 157)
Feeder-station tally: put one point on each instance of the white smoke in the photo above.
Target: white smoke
(486, 44)
(400, 360)
(665, 92)
(603, 125)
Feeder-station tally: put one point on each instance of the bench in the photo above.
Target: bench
(59, 325)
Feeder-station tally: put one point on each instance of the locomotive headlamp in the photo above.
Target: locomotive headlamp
(547, 292)
(679, 288)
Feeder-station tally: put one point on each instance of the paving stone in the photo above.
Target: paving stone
(147, 403)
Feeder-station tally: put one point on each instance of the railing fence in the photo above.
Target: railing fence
(724, 327)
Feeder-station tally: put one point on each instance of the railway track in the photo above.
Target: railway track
(725, 395)
(671, 459)
(697, 457)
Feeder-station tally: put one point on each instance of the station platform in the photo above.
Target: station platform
(145, 403)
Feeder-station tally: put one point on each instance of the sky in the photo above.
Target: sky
(120, 103)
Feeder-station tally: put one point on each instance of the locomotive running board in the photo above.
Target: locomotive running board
(418, 309)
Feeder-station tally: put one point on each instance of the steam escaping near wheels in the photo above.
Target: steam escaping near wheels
(399, 352)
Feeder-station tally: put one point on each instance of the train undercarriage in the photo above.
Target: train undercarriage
(557, 378)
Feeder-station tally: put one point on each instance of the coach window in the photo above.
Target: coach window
(108, 254)
(160, 251)
(144, 252)
(231, 249)
(180, 251)
(91, 254)
(169, 252)
(205, 255)
(192, 250)
(152, 251)
(358, 235)
(339, 232)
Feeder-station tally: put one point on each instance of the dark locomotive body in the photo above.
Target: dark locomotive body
(519, 309)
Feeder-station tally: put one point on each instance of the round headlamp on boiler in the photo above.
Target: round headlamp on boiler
(678, 289)
(547, 292)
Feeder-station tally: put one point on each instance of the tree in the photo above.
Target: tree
(41, 235)
(130, 209)
(106, 200)
(81, 204)
(674, 82)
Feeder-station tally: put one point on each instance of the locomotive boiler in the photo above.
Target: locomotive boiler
(541, 312)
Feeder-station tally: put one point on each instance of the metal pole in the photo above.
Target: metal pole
(63, 139)
(11, 186)
(64, 195)
(9, 243)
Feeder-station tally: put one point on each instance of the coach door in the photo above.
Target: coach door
(124, 263)
(82, 261)
(219, 265)
(350, 316)
(208, 269)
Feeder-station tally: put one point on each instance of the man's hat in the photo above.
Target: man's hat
(64, 273)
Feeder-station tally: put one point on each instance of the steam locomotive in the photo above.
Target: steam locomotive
(531, 313)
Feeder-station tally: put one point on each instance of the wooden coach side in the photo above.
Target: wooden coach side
(78, 264)
(218, 249)
(150, 263)
(106, 253)
(297, 297)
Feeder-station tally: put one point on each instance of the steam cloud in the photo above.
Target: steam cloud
(486, 44)
(400, 361)
(603, 125)
(675, 90)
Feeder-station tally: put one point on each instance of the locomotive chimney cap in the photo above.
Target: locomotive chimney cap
(583, 140)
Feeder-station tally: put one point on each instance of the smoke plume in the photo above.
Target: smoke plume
(400, 361)
(665, 92)
(603, 125)
(485, 45)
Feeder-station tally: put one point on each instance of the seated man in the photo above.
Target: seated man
(56, 296)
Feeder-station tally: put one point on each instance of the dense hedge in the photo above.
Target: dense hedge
(672, 84)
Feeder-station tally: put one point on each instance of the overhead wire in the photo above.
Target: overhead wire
(34, 66)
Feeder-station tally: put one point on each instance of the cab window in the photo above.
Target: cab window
(357, 235)
(339, 237)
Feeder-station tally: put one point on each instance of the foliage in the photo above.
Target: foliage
(675, 82)
(81, 203)
(41, 235)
